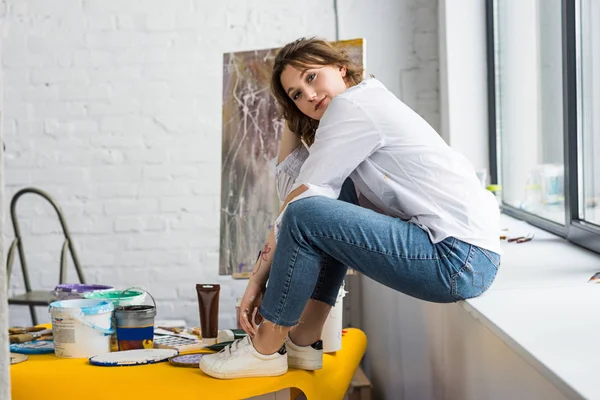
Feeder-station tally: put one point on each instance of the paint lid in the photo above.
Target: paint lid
(133, 357)
(79, 288)
(187, 360)
(16, 358)
(35, 347)
(87, 306)
(116, 296)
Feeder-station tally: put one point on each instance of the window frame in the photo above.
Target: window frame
(575, 230)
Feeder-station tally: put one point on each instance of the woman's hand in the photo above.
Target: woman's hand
(249, 317)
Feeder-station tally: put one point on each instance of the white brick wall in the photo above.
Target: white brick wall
(114, 107)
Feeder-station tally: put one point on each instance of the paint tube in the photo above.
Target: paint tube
(208, 305)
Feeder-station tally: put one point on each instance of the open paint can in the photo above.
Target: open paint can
(118, 298)
(135, 325)
(82, 328)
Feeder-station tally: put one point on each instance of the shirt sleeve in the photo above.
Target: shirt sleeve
(287, 171)
(346, 137)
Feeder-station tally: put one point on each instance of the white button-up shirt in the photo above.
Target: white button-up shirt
(398, 163)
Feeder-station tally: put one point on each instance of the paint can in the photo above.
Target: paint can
(332, 330)
(81, 328)
(135, 325)
(118, 298)
(70, 291)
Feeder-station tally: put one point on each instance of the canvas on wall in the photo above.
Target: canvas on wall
(251, 133)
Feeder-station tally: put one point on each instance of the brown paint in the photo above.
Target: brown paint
(208, 305)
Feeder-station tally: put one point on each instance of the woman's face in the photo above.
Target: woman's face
(313, 89)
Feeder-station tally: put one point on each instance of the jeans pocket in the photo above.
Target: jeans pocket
(475, 276)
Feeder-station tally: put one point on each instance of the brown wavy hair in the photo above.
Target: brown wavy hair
(301, 54)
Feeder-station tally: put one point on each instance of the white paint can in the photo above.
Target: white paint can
(81, 328)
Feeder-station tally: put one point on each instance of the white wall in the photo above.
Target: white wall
(114, 107)
(420, 350)
(462, 52)
(402, 48)
(4, 353)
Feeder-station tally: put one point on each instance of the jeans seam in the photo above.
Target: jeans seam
(381, 252)
(484, 252)
(286, 286)
(454, 240)
(321, 277)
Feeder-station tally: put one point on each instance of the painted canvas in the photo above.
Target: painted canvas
(251, 133)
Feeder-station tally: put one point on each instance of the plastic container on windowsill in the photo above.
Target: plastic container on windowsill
(497, 192)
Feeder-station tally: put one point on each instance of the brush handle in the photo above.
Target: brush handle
(21, 338)
(17, 330)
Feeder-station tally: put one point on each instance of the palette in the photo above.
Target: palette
(132, 357)
(179, 343)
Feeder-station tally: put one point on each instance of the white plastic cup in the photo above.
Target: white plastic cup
(332, 330)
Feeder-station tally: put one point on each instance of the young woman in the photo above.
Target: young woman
(378, 191)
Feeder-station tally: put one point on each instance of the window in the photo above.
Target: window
(529, 106)
(589, 98)
(544, 103)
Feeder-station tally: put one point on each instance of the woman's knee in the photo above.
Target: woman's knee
(300, 212)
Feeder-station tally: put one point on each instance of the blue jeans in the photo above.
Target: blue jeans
(320, 238)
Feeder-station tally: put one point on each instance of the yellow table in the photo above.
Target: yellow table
(50, 377)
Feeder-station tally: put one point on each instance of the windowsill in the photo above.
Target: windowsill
(542, 307)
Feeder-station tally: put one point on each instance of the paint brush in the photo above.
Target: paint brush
(28, 337)
(17, 330)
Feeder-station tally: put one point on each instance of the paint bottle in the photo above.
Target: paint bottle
(229, 335)
(208, 307)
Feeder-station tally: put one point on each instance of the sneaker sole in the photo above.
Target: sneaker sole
(253, 374)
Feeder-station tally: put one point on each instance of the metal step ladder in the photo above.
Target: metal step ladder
(34, 298)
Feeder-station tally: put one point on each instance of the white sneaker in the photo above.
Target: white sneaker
(241, 360)
(304, 357)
